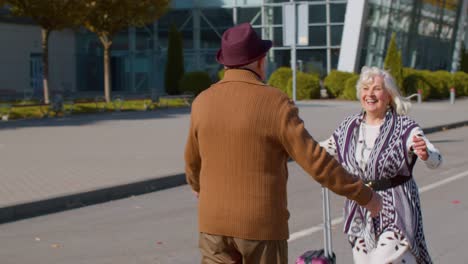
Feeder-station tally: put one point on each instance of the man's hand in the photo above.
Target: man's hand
(375, 204)
(420, 148)
(195, 193)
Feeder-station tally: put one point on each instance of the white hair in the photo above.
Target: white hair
(398, 102)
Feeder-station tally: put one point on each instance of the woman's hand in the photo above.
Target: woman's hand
(420, 148)
(375, 204)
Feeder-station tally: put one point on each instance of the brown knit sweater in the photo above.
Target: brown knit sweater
(241, 135)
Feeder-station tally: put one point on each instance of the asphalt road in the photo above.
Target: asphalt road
(161, 227)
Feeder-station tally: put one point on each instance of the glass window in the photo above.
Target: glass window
(336, 33)
(278, 37)
(276, 1)
(278, 15)
(246, 2)
(187, 39)
(317, 36)
(209, 39)
(219, 17)
(314, 61)
(274, 15)
(335, 56)
(251, 15)
(182, 4)
(337, 12)
(211, 3)
(174, 17)
(317, 14)
(282, 58)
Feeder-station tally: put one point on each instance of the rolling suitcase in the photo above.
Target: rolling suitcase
(325, 255)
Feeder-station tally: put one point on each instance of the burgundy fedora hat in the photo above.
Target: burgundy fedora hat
(240, 45)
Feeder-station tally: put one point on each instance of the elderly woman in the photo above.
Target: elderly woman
(381, 145)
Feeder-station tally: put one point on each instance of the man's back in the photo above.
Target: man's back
(243, 163)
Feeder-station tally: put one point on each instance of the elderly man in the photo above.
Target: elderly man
(241, 135)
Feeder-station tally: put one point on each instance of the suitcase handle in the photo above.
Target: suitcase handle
(328, 250)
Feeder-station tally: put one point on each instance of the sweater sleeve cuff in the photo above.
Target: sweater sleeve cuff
(364, 196)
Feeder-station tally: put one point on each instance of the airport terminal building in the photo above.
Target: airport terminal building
(341, 34)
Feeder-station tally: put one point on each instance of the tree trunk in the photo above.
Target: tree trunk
(106, 43)
(45, 63)
(107, 81)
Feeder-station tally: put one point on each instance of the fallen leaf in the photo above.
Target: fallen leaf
(55, 245)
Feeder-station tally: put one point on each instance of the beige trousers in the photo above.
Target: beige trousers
(230, 250)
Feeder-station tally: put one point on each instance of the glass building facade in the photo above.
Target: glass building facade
(139, 55)
(426, 33)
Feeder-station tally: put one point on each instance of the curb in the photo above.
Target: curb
(62, 203)
(67, 202)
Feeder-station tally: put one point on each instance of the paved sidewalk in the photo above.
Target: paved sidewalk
(56, 164)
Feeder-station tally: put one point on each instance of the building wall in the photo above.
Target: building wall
(19, 43)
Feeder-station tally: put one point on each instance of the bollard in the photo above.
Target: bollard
(452, 95)
(419, 96)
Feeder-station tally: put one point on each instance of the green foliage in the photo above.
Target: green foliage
(393, 62)
(195, 82)
(221, 74)
(464, 59)
(414, 80)
(335, 82)
(460, 83)
(442, 84)
(435, 85)
(50, 15)
(107, 17)
(432, 85)
(175, 61)
(279, 79)
(86, 108)
(307, 86)
(349, 92)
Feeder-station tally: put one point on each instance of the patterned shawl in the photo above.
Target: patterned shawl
(388, 158)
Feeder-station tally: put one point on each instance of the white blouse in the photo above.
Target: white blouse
(367, 136)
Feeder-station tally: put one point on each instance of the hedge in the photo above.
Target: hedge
(335, 82)
(414, 80)
(195, 82)
(307, 86)
(460, 83)
(349, 92)
(221, 74)
(434, 85)
(279, 79)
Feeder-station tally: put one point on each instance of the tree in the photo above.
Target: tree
(393, 62)
(107, 17)
(464, 59)
(50, 15)
(175, 61)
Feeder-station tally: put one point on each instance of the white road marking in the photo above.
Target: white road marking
(338, 220)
